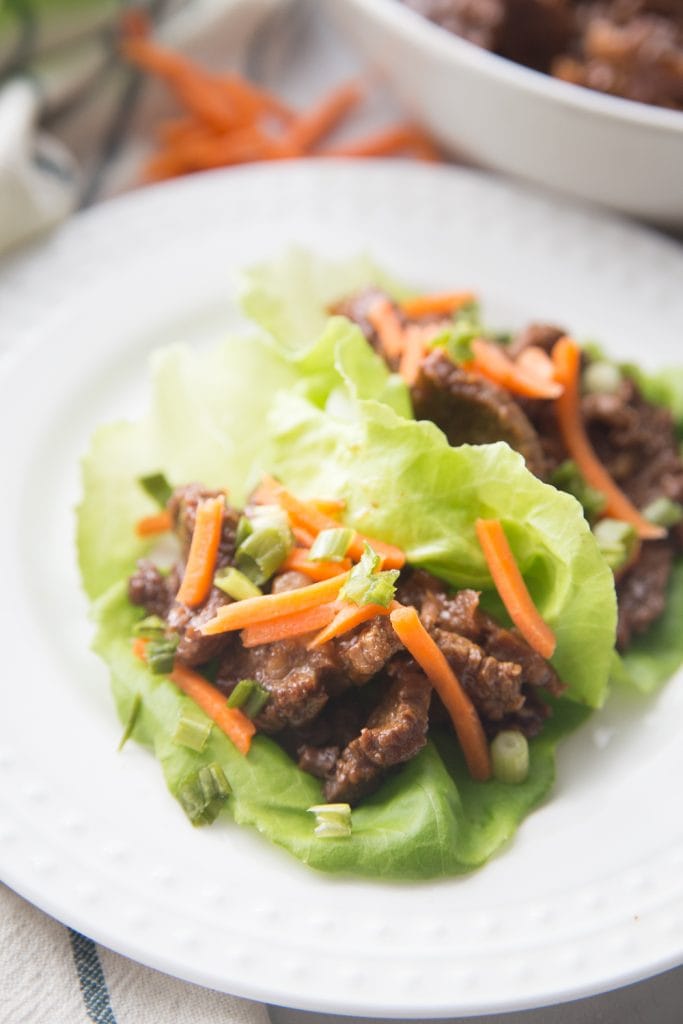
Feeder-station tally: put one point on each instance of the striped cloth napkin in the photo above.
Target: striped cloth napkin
(50, 974)
(66, 99)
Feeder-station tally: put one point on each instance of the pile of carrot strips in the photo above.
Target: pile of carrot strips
(226, 120)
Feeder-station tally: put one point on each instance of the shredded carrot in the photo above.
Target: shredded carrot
(417, 338)
(148, 526)
(233, 722)
(253, 610)
(309, 128)
(536, 362)
(492, 362)
(304, 537)
(512, 588)
(140, 648)
(386, 322)
(436, 304)
(201, 559)
(400, 138)
(348, 617)
(310, 518)
(298, 561)
(430, 658)
(567, 362)
(286, 627)
(329, 506)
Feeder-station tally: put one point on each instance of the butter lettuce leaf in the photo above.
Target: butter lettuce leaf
(405, 484)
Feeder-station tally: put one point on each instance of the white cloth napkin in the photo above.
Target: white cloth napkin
(50, 974)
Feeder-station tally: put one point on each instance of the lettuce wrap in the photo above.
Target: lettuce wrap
(307, 400)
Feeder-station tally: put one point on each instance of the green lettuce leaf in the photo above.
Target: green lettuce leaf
(403, 483)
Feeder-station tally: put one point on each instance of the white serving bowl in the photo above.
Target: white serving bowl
(501, 115)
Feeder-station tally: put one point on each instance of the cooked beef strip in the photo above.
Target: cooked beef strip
(395, 732)
(357, 306)
(539, 335)
(150, 589)
(365, 650)
(494, 687)
(195, 648)
(641, 591)
(472, 410)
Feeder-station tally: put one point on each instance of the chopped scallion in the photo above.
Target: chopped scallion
(333, 821)
(601, 378)
(192, 730)
(510, 756)
(262, 516)
(161, 653)
(244, 529)
(616, 540)
(151, 627)
(366, 585)
(249, 697)
(262, 553)
(331, 545)
(157, 487)
(664, 512)
(135, 708)
(203, 794)
(235, 584)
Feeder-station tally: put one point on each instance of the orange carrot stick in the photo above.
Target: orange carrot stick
(304, 514)
(416, 346)
(535, 361)
(512, 588)
(201, 559)
(567, 361)
(348, 617)
(399, 138)
(148, 526)
(430, 658)
(140, 648)
(298, 561)
(303, 537)
(436, 304)
(286, 627)
(233, 722)
(388, 326)
(329, 506)
(253, 610)
(492, 362)
(320, 120)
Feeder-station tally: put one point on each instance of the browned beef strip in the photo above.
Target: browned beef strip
(472, 410)
(539, 335)
(641, 591)
(362, 652)
(195, 648)
(493, 686)
(151, 590)
(395, 732)
(289, 581)
(182, 506)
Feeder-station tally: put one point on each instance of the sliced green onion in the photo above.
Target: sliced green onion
(203, 794)
(244, 529)
(150, 627)
(664, 512)
(331, 545)
(193, 729)
(249, 696)
(262, 553)
(135, 708)
(262, 516)
(601, 378)
(157, 486)
(235, 584)
(333, 821)
(510, 756)
(366, 585)
(567, 477)
(616, 540)
(160, 654)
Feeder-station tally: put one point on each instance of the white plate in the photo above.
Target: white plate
(590, 893)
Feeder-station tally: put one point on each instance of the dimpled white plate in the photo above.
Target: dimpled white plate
(589, 894)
